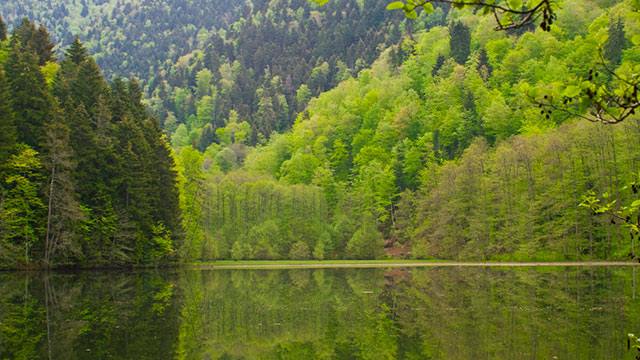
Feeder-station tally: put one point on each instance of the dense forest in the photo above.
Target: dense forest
(427, 141)
(437, 151)
(87, 178)
(200, 60)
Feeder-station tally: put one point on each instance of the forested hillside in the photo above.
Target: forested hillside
(445, 155)
(200, 60)
(86, 176)
(438, 149)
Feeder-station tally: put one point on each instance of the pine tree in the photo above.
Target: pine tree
(31, 100)
(484, 67)
(136, 108)
(438, 65)
(8, 132)
(89, 86)
(119, 99)
(63, 209)
(165, 195)
(94, 181)
(43, 45)
(76, 53)
(80, 79)
(266, 116)
(35, 38)
(207, 137)
(24, 32)
(134, 193)
(460, 42)
(87, 156)
(615, 43)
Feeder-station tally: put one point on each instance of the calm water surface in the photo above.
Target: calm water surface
(432, 313)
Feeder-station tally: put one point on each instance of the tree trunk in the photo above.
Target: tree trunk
(47, 247)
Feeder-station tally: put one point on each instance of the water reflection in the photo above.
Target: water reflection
(435, 313)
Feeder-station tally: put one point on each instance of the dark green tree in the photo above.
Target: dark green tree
(266, 116)
(36, 38)
(64, 214)
(31, 100)
(438, 65)
(460, 42)
(8, 133)
(615, 42)
(484, 67)
(76, 53)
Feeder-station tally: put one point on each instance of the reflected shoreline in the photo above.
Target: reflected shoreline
(312, 264)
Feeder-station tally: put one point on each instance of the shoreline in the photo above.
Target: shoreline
(329, 264)
(364, 264)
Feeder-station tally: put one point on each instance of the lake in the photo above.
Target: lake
(417, 313)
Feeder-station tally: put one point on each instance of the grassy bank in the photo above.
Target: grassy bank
(390, 263)
(324, 264)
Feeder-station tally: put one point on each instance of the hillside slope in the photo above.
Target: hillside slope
(199, 60)
(445, 153)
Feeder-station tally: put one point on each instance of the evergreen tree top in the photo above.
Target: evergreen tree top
(77, 53)
(35, 38)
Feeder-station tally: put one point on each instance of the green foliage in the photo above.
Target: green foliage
(34, 38)
(30, 99)
(180, 137)
(22, 210)
(460, 42)
(445, 119)
(234, 131)
(162, 244)
(87, 177)
(191, 177)
(243, 216)
(367, 242)
(299, 251)
(300, 169)
(509, 14)
(249, 56)
(615, 42)
(626, 214)
(453, 129)
(8, 130)
(633, 344)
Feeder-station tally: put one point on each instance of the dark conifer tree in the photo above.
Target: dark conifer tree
(118, 99)
(36, 38)
(43, 45)
(8, 133)
(438, 65)
(484, 67)
(89, 86)
(101, 185)
(64, 214)
(165, 195)
(31, 100)
(615, 43)
(460, 42)
(76, 53)
(136, 107)
(206, 137)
